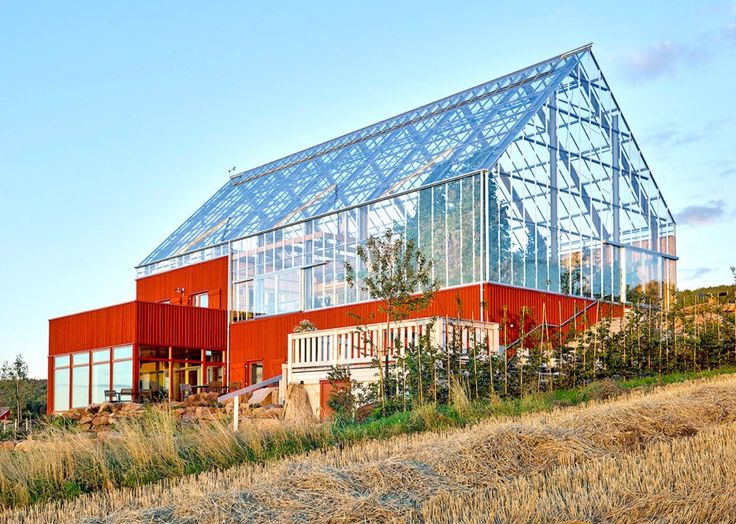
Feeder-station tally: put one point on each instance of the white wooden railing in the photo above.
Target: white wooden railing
(358, 346)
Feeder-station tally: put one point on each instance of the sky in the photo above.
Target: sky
(119, 119)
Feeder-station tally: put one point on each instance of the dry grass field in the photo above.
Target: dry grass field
(666, 456)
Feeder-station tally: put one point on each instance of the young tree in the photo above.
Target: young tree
(14, 384)
(400, 277)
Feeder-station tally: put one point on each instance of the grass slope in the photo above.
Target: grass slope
(419, 477)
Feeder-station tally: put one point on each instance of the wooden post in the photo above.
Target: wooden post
(236, 413)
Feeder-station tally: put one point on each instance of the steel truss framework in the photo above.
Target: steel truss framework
(570, 204)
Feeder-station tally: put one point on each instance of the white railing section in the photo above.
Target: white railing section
(350, 346)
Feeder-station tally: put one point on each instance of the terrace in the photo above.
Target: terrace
(312, 354)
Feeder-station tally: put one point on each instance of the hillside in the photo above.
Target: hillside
(632, 459)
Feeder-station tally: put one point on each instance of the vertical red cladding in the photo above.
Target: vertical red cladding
(265, 339)
(104, 327)
(210, 277)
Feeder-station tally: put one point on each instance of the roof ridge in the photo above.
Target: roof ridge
(356, 140)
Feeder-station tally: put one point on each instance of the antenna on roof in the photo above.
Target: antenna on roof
(232, 172)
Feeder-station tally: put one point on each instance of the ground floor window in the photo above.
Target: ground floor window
(254, 372)
(165, 373)
(83, 377)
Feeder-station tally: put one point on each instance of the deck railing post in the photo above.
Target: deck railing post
(236, 412)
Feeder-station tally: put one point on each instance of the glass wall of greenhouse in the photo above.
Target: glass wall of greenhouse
(531, 180)
(302, 266)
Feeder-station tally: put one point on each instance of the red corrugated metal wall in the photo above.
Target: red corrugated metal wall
(265, 339)
(556, 308)
(184, 327)
(136, 323)
(210, 276)
(110, 326)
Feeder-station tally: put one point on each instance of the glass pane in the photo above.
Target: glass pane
(122, 352)
(100, 382)
(154, 352)
(154, 379)
(80, 386)
(186, 354)
(80, 358)
(102, 355)
(122, 375)
(289, 292)
(213, 356)
(61, 389)
(214, 375)
(61, 361)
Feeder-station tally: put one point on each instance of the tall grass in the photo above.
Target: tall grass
(688, 480)
(62, 464)
(418, 477)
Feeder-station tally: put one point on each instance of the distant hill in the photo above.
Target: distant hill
(687, 296)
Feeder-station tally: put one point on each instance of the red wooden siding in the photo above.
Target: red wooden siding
(109, 326)
(136, 323)
(184, 327)
(210, 276)
(265, 339)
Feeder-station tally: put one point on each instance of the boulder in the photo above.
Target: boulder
(262, 396)
(101, 419)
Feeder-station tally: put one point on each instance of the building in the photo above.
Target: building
(526, 190)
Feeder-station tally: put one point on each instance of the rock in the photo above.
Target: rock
(86, 426)
(105, 407)
(262, 396)
(86, 419)
(211, 397)
(93, 408)
(100, 419)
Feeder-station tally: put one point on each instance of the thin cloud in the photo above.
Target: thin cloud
(670, 135)
(659, 60)
(728, 173)
(698, 272)
(663, 59)
(708, 213)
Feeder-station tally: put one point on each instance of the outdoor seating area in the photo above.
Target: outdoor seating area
(154, 394)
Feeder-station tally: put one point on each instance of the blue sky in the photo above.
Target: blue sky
(117, 120)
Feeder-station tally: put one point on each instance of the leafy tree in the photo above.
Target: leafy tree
(400, 277)
(15, 385)
(342, 397)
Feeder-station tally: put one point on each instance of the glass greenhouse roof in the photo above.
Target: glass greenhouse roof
(453, 136)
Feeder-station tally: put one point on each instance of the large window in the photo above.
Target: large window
(302, 266)
(80, 380)
(62, 382)
(84, 376)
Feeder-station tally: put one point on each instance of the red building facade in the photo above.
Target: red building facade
(526, 192)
